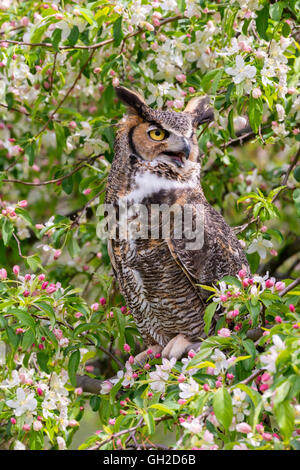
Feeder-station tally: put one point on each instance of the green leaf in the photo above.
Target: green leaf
(285, 417)
(73, 365)
(255, 113)
(95, 402)
(56, 38)
(208, 316)
(276, 10)
(34, 262)
(13, 338)
(222, 406)
(297, 173)
(262, 22)
(42, 360)
(281, 393)
(30, 152)
(118, 32)
(253, 260)
(67, 185)
(24, 214)
(73, 36)
(254, 312)
(149, 420)
(23, 317)
(48, 309)
(163, 408)
(7, 230)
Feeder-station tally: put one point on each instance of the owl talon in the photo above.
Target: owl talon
(141, 358)
(177, 347)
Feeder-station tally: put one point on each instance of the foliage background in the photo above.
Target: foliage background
(59, 63)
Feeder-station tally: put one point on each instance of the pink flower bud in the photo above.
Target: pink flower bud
(22, 203)
(242, 273)
(191, 354)
(279, 286)
(191, 89)
(263, 387)
(27, 277)
(149, 351)
(115, 81)
(157, 356)
(244, 428)
(292, 308)
(126, 347)
(296, 326)
(95, 307)
(16, 270)
(26, 427)
(123, 309)
(150, 394)
(72, 125)
(39, 391)
(19, 331)
(147, 366)
(78, 391)
(223, 298)
(44, 285)
(112, 421)
(181, 401)
(230, 376)
(266, 377)
(26, 293)
(267, 436)
(278, 319)
(57, 254)
(259, 428)
(224, 332)
(50, 289)
(87, 191)
(181, 378)
(102, 301)
(13, 420)
(218, 384)
(256, 93)
(206, 387)
(181, 77)
(131, 360)
(3, 273)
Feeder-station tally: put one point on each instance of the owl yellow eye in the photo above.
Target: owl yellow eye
(158, 134)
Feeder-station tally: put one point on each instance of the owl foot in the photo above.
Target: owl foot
(144, 356)
(178, 346)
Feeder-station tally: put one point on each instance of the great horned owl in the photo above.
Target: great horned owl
(157, 162)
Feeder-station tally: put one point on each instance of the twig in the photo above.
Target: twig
(66, 95)
(81, 211)
(90, 47)
(19, 245)
(42, 183)
(290, 287)
(251, 377)
(130, 430)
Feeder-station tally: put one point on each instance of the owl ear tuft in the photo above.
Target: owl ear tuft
(134, 100)
(200, 110)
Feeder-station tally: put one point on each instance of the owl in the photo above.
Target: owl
(156, 164)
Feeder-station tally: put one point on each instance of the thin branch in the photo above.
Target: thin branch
(90, 47)
(251, 377)
(66, 95)
(290, 287)
(57, 180)
(81, 211)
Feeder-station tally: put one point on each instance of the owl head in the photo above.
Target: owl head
(156, 135)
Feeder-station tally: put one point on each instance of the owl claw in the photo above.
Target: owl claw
(178, 346)
(143, 357)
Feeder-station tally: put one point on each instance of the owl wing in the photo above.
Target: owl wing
(220, 253)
